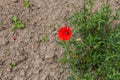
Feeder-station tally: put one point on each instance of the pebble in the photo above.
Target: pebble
(49, 56)
(22, 73)
(15, 1)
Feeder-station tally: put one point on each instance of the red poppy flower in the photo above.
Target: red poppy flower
(64, 33)
(14, 38)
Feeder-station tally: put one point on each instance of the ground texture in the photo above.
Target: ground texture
(35, 60)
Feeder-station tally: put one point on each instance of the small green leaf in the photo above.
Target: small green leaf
(45, 38)
(13, 65)
(14, 18)
(22, 25)
(26, 3)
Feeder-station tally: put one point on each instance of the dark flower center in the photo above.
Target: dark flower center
(66, 32)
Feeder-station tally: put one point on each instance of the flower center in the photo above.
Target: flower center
(66, 32)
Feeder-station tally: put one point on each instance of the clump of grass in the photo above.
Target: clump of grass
(12, 65)
(44, 39)
(97, 55)
(17, 24)
(26, 3)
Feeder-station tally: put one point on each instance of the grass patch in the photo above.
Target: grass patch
(93, 52)
(45, 38)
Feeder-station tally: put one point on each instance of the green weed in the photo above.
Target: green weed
(93, 52)
(26, 3)
(13, 65)
(17, 24)
(44, 39)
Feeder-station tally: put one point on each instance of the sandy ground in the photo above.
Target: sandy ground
(35, 61)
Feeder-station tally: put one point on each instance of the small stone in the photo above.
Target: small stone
(8, 70)
(54, 32)
(49, 56)
(15, 1)
(22, 73)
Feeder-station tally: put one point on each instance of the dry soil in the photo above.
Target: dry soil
(35, 60)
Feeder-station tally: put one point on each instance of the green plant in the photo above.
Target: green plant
(13, 65)
(93, 53)
(26, 3)
(17, 24)
(44, 39)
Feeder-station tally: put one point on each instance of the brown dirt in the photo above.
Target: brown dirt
(35, 61)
